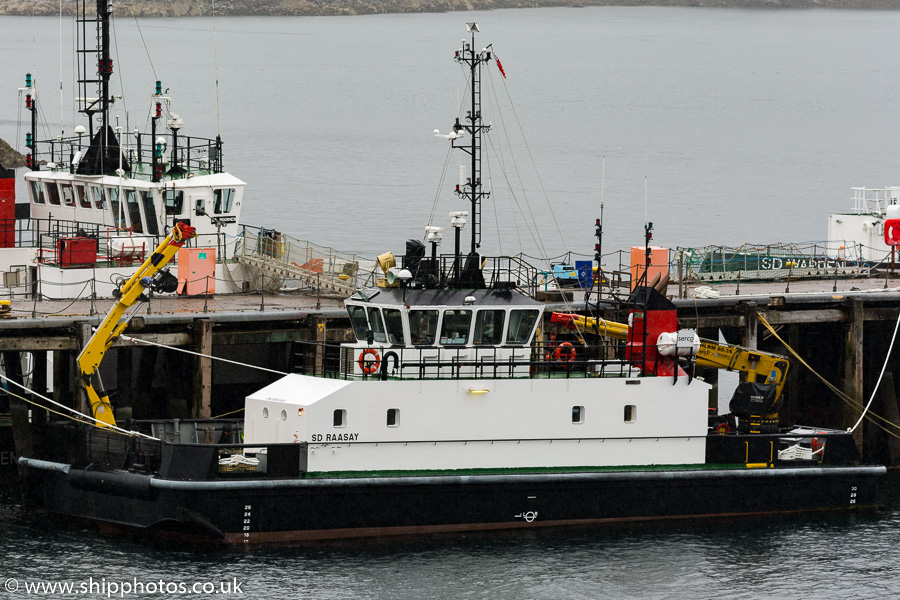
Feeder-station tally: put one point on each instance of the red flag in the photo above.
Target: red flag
(500, 66)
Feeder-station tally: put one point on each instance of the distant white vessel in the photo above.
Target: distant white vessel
(861, 230)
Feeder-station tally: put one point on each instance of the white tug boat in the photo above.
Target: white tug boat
(101, 200)
(451, 410)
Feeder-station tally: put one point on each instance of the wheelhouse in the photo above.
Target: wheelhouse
(114, 207)
(443, 331)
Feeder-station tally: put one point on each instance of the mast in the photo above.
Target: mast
(471, 188)
(95, 68)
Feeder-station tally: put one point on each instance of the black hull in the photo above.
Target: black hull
(254, 511)
(8, 467)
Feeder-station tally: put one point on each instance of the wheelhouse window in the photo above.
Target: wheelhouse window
(393, 321)
(455, 327)
(115, 207)
(99, 198)
(358, 321)
(37, 192)
(81, 194)
(150, 212)
(67, 194)
(423, 326)
(53, 193)
(521, 324)
(174, 201)
(223, 200)
(489, 326)
(377, 325)
(134, 211)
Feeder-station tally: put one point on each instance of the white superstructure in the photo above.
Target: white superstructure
(859, 233)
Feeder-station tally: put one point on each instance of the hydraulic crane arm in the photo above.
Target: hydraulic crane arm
(149, 275)
(761, 367)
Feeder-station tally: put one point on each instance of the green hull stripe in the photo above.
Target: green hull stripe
(517, 471)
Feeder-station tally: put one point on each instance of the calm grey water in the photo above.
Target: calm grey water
(750, 126)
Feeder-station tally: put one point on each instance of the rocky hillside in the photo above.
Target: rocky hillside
(9, 158)
(187, 8)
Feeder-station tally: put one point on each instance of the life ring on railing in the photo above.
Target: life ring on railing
(816, 444)
(367, 365)
(892, 232)
(722, 429)
(567, 355)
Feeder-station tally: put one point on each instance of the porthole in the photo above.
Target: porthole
(630, 413)
(265, 412)
(284, 415)
(340, 417)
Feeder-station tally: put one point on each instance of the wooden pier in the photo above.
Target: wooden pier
(841, 329)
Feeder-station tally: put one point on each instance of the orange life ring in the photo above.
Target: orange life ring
(369, 366)
(567, 356)
(723, 428)
(892, 232)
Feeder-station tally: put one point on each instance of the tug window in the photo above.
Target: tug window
(83, 200)
(134, 211)
(53, 194)
(422, 326)
(68, 194)
(114, 206)
(521, 324)
(37, 192)
(394, 323)
(174, 201)
(358, 321)
(99, 199)
(340, 418)
(456, 325)
(577, 414)
(150, 212)
(377, 325)
(630, 413)
(393, 417)
(223, 200)
(489, 326)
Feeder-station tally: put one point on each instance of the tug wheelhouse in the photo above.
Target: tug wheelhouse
(439, 332)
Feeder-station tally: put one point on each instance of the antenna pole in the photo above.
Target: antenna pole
(474, 126)
(104, 69)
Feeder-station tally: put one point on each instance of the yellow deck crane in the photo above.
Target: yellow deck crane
(759, 367)
(151, 274)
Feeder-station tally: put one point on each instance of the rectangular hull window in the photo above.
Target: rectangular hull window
(577, 414)
(393, 417)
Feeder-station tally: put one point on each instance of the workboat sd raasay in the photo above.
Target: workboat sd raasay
(452, 409)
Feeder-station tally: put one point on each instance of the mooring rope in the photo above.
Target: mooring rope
(880, 375)
(86, 419)
(838, 393)
(200, 354)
